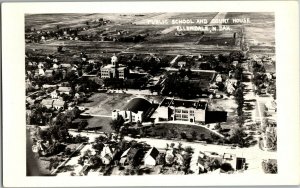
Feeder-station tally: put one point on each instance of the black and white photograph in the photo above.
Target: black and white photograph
(150, 93)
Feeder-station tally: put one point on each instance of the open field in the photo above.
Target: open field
(104, 104)
(100, 123)
(48, 21)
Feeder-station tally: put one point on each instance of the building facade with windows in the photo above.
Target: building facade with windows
(181, 110)
(114, 70)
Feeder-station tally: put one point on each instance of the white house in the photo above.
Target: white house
(218, 78)
(54, 94)
(150, 157)
(107, 154)
(271, 106)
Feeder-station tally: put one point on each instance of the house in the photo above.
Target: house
(150, 157)
(130, 155)
(65, 66)
(107, 154)
(219, 78)
(55, 66)
(237, 163)
(49, 103)
(271, 106)
(181, 63)
(229, 86)
(230, 159)
(136, 110)
(234, 63)
(231, 74)
(171, 109)
(206, 162)
(49, 73)
(47, 86)
(54, 94)
(41, 72)
(65, 90)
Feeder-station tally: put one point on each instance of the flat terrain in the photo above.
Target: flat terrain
(100, 123)
(104, 103)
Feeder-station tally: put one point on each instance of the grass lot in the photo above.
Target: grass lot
(228, 105)
(104, 104)
(166, 129)
(101, 123)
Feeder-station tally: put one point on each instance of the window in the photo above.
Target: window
(191, 111)
(178, 115)
(185, 111)
(177, 111)
(184, 116)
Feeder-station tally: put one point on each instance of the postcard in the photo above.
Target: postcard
(150, 93)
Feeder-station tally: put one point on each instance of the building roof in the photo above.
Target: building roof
(184, 103)
(47, 102)
(130, 152)
(138, 104)
(65, 65)
(153, 152)
(107, 150)
(229, 156)
(64, 89)
(271, 105)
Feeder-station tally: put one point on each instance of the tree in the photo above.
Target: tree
(95, 161)
(54, 162)
(202, 136)
(213, 164)
(238, 137)
(226, 167)
(270, 166)
(188, 149)
(117, 123)
(183, 135)
(218, 126)
(98, 146)
(160, 160)
(194, 135)
(101, 139)
(82, 124)
(169, 159)
(239, 73)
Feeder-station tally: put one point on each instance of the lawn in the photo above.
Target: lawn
(167, 130)
(100, 123)
(104, 104)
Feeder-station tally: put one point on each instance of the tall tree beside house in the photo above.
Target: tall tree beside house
(117, 123)
(238, 73)
(98, 146)
(238, 137)
(95, 161)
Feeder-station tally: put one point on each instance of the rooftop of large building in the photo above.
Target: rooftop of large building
(138, 104)
(184, 103)
(110, 66)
